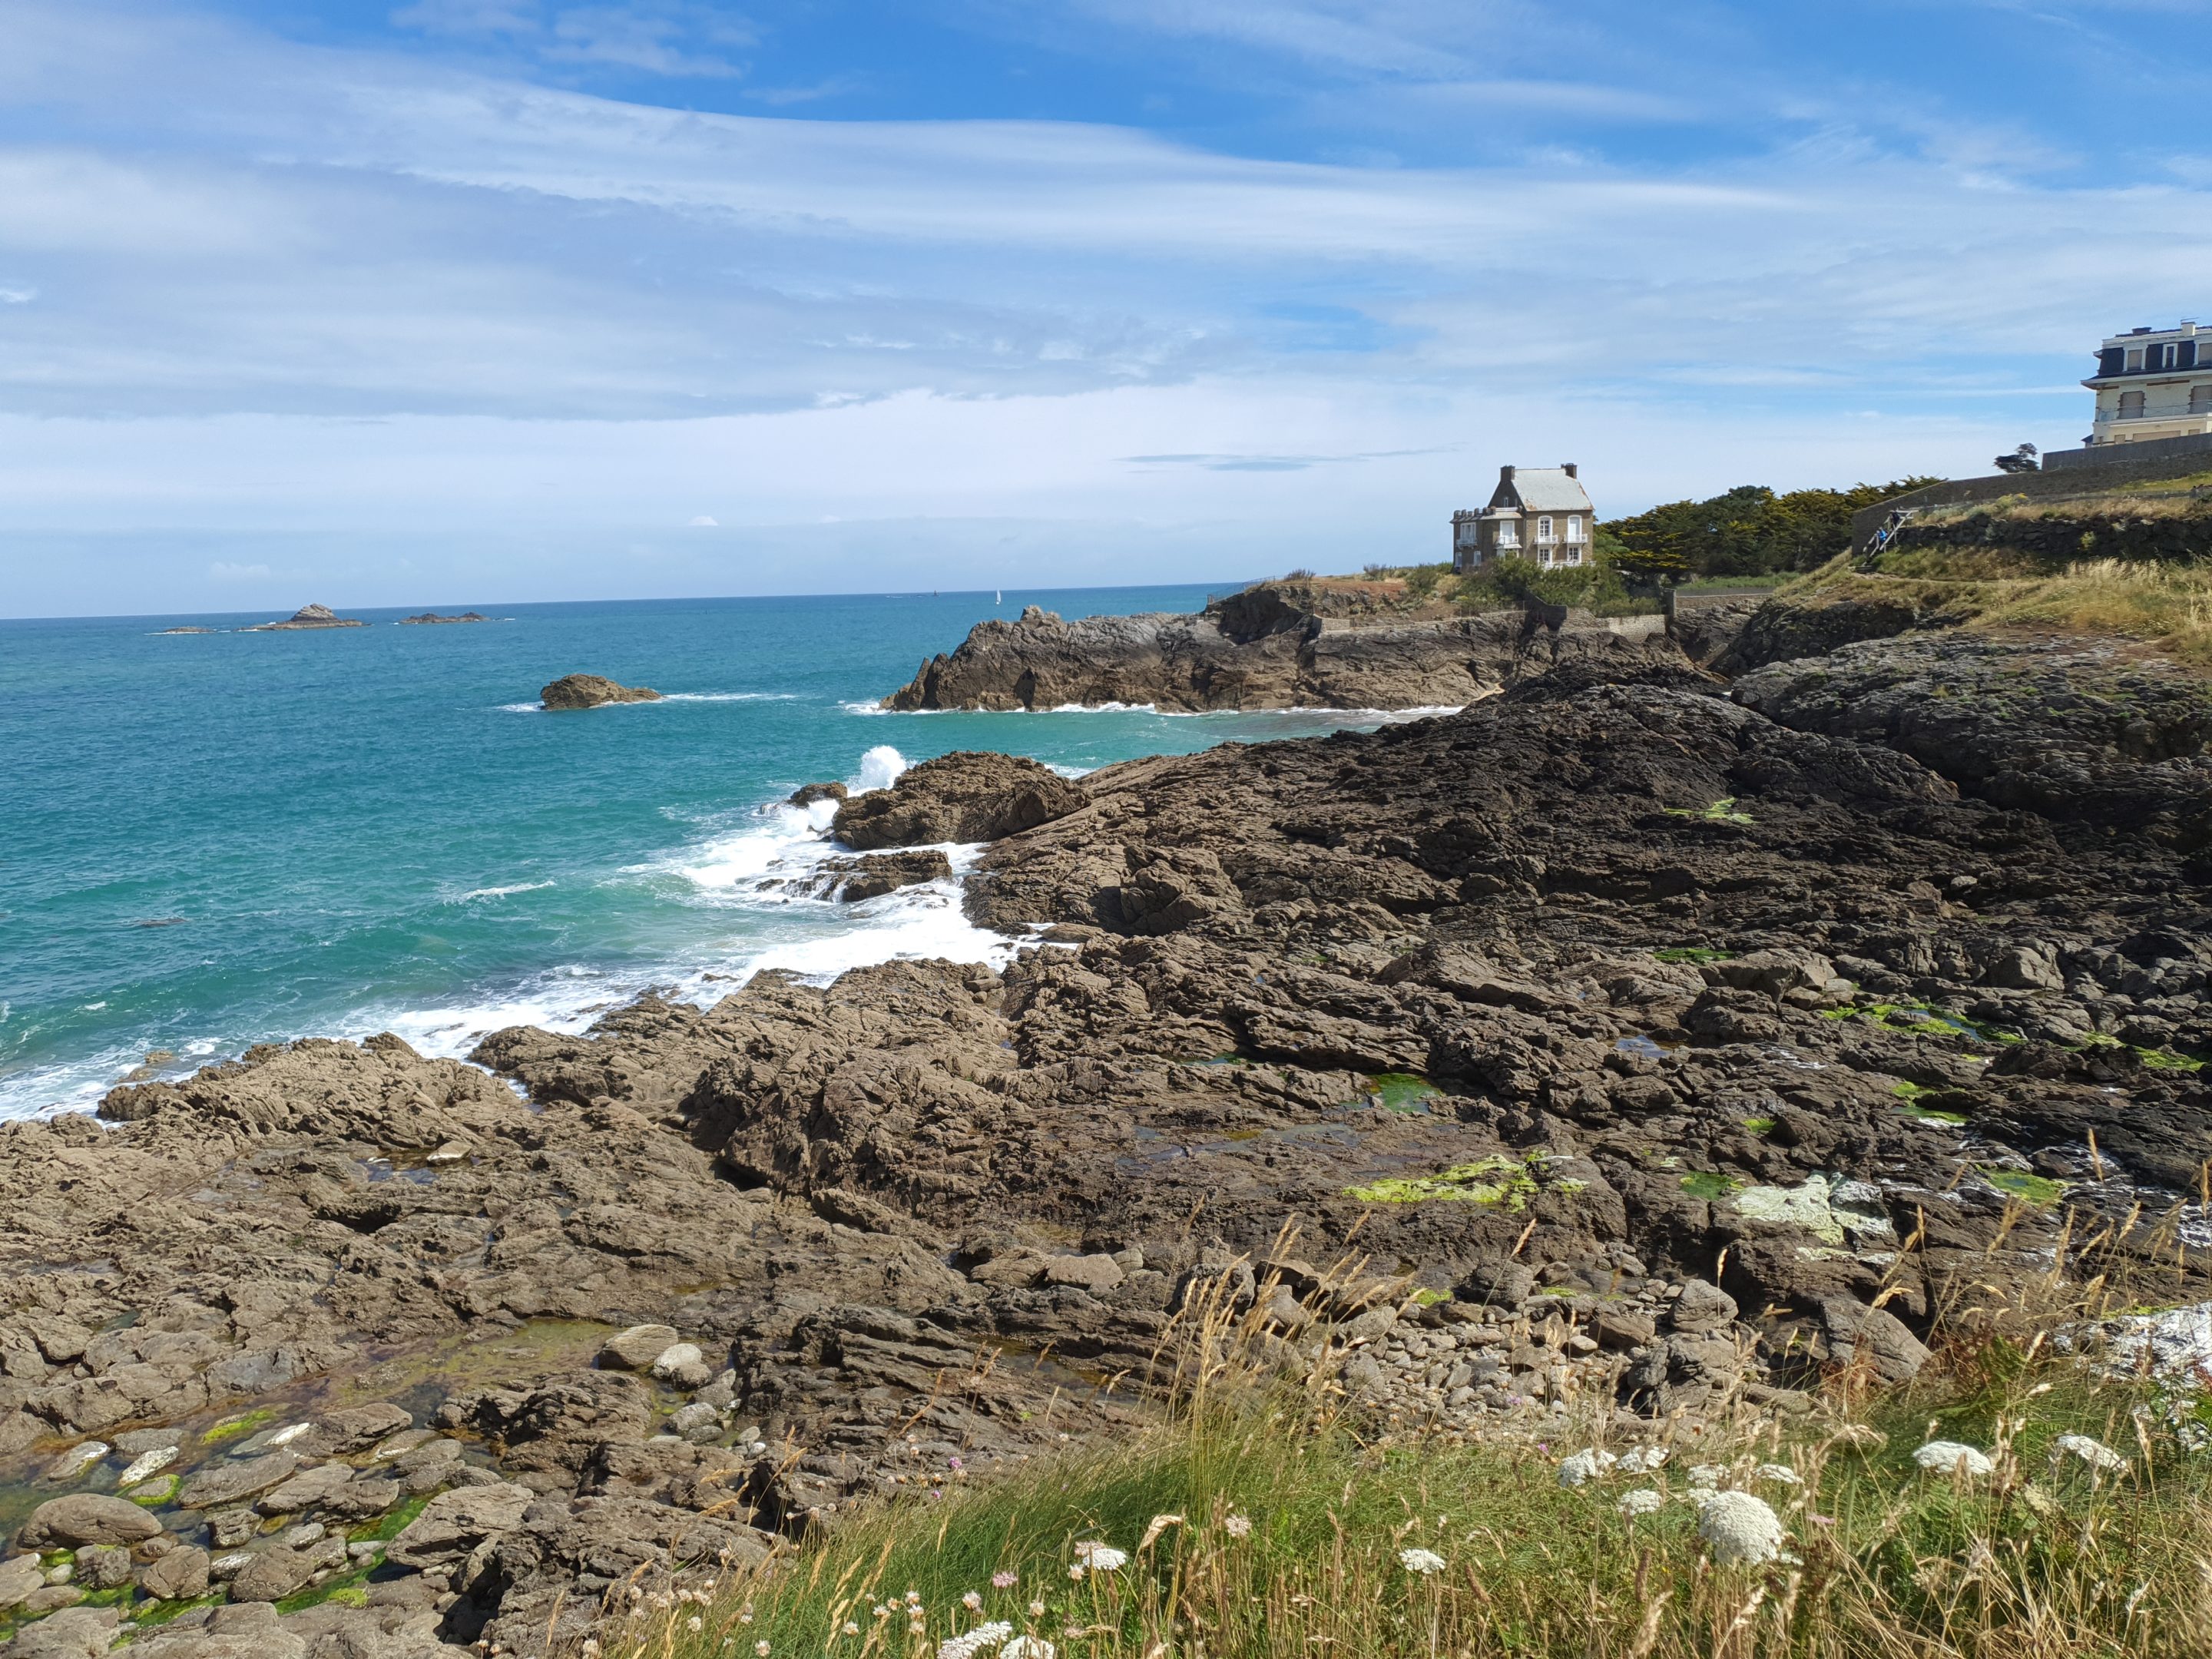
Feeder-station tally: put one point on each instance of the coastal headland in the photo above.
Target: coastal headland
(1658, 1035)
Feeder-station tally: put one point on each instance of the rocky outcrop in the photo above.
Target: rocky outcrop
(590, 690)
(849, 881)
(1617, 1045)
(307, 616)
(2097, 730)
(1256, 649)
(432, 617)
(965, 796)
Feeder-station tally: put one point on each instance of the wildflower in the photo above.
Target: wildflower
(1642, 1460)
(1781, 1474)
(1005, 1580)
(1705, 1476)
(881, 1611)
(981, 1639)
(2095, 1453)
(761, 1648)
(1424, 1562)
(1099, 1557)
(695, 1624)
(1037, 1609)
(1585, 1466)
(851, 1628)
(591, 1647)
(1237, 1526)
(1740, 1529)
(1949, 1457)
(1029, 1647)
(973, 1602)
(1645, 1502)
(1075, 1571)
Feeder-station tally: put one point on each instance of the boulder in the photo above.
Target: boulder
(1703, 1308)
(85, 1518)
(1095, 1274)
(72, 1633)
(102, 1566)
(807, 793)
(965, 796)
(229, 1483)
(851, 880)
(590, 690)
(637, 1348)
(454, 1523)
(179, 1576)
(20, 1575)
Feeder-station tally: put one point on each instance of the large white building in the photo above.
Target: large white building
(1537, 512)
(2153, 383)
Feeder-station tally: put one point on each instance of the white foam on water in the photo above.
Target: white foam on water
(498, 892)
(879, 769)
(729, 696)
(522, 709)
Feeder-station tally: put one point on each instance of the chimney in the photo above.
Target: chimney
(1505, 475)
(1568, 467)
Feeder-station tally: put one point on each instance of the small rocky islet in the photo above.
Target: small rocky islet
(307, 616)
(591, 692)
(1658, 1034)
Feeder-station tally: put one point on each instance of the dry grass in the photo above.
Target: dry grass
(1261, 1524)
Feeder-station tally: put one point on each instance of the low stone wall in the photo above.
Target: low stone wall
(2073, 479)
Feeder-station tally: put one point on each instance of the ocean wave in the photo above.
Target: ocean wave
(729, 696)
(498, 892)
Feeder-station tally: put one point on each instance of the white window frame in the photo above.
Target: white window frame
(1507, 534)
(1544, 537)
(2135, 360)
(1574, 530)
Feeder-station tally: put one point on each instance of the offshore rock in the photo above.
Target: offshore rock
(307, 616)
(590, 690)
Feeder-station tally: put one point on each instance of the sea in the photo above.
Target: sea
(211, 839)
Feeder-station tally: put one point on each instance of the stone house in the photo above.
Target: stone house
(1539, 513)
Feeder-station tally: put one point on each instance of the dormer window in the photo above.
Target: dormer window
(2134, 360)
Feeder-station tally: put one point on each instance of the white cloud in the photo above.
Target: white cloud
(224, 571)
(701, 522)
(17, 296)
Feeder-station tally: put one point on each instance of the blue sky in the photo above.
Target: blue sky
(461, 299)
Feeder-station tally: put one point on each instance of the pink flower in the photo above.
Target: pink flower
(1005, 1580)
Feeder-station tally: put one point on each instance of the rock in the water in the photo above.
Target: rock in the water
(20, 1575)
(86, 1518)
(102, 1566)
(964, 796)
(433, 617)
(590, 690)
(308, 616)
(851, 880)
(454, 1523)
(637, 1348)
(179, 1576)
(226, 1483)
(72, 1633)
(807, 793)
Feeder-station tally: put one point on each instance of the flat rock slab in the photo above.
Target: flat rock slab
(229, 1482)
(638, 1346)
(454, 1523)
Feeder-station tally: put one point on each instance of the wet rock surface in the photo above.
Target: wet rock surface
(1616, 1041)
(590, 690)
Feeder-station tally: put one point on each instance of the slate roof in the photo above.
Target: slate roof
(1548, 489)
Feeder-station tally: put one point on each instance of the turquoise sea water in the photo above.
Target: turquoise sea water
(216, 839)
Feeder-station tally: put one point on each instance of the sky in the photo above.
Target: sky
(467, 300)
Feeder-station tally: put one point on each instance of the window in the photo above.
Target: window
(2135, 360)
(1506, 537)
(2200, 399)
(1575, 528)
(2131, 406)
(1544, 528)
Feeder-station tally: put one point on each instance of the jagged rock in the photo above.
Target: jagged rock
(455, 1522)
(849, 881)
(590, 690)
(965, 796)
(807, 793)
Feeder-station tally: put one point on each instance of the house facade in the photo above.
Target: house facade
(1537, 512)
(2153, 383)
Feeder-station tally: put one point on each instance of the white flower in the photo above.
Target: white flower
(1740, 1529)
(1424, 1562)
(851, 1628)
(1949, 1457)
(981, 1639)
(2095, 1453)
(1237, 1526)
(1642, 1460)
(1099, 1557)
(1706, 1475)
(760, 1647)
(695, 1624)
(1583, 1466)
(973, 1602)
(1029, 1647)
(1646, 1501)
(1037, 1609)
(1780, 1474)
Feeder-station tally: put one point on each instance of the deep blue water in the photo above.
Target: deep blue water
(351, 831)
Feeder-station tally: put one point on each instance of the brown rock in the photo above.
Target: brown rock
(965, 796)
(179, 1576)
(591, 690)
(86, 1518)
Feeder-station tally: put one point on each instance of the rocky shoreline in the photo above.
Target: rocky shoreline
(1273, 646)
(1633, 1041)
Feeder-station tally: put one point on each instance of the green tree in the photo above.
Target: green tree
(1748, 530)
